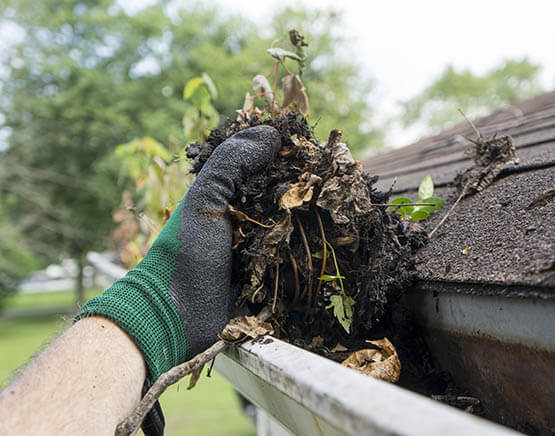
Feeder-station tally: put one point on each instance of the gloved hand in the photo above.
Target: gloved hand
(175, 302)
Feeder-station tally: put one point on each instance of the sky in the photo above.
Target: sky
(405, 45)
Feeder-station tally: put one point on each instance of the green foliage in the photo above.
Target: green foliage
(438, 104)
(16, 259)
(342, 304)
(338, 94)
(343, 310)
(86, 76)
(425, 194)
(201, 116)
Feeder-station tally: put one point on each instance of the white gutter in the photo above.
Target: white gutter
(310, 395)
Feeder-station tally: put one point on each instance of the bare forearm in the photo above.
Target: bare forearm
(85, 382)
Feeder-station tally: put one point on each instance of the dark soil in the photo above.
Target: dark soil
(374, 248)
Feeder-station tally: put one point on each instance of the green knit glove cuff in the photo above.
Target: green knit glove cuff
(140, 304)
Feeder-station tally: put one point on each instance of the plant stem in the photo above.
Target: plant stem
(308, 256)
(337, 273)
(324, 256)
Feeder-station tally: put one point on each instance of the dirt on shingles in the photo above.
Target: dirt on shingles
(310, 193)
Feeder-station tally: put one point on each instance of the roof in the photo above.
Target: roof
(508, 239)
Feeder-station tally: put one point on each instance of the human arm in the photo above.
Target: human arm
(85, 382)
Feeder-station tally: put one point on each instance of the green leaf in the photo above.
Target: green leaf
(343, 310)
(404, 210)
(426, 188)
(320, 255)
(191, 86)
(329, 278)
(419, 215)
(210, 85)
(280, 54)
(438, 202)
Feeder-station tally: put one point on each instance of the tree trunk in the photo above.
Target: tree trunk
(79, 285)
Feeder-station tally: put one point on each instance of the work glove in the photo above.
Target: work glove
(176, 301)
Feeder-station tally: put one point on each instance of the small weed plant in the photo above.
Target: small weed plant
(422, 208)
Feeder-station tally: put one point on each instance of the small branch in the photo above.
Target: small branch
(276, 289)
(463, 193)
(296, 274)
(471, 124)
(242, 216)
(130, 424)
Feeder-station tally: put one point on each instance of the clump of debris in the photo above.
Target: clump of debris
(311, 240)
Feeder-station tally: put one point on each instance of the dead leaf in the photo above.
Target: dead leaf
(465, 250)
(345, 198)
(302, 142)
(245, 326)
(301, 192)
(317, 342)
(339, 348)
(382, 363)
(294, 94)
(195, 375)
(260, 85)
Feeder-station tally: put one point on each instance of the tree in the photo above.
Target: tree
(16, 259)
(87, 76)
(438, 104)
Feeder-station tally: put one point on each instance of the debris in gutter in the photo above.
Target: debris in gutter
(490, 156)
(381, 363)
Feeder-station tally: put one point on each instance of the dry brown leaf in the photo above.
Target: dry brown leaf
(317, 342)
(294, 94)
(302, 142)
(297, 195)
(339, 348)
(382, 363)
(260, 85)
(245, 326)
(465, 250)
(301, 192)
(195, 375)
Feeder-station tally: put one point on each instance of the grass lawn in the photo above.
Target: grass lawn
(45, 299)
(210, 409)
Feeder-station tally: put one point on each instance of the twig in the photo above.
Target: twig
(309, 258)
(132, 423)
(296, 274)
(471, 123)
(256, 292)
(324, 256)
(463, 193)
(244, 217)
(276, 289)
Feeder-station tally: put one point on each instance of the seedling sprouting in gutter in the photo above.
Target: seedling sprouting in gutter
(421, 209)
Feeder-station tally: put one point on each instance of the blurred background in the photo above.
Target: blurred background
(98, 100)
